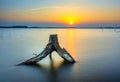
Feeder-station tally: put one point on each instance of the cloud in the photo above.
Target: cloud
(40, 8)
(53, 7)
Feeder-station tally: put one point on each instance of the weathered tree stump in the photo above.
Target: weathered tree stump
(53, 45)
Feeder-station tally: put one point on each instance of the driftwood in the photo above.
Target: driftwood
(53, 45)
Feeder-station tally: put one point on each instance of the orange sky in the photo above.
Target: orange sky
(64, 15)
(77, 13)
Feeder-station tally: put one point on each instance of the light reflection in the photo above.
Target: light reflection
(71, 42)
(53, 73)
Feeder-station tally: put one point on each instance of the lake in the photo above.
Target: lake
(96, 51)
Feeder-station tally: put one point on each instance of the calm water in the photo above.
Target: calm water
(96, 51)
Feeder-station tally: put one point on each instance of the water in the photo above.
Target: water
(96, 52)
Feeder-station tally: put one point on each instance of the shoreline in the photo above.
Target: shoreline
(60, 27)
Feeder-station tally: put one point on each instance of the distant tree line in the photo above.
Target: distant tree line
(118, 27)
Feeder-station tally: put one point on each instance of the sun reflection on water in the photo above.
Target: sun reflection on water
(71, 42)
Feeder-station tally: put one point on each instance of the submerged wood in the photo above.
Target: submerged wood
(53, 45)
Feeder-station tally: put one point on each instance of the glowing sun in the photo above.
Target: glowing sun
(71, 23)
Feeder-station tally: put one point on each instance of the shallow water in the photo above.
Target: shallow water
(96, 52)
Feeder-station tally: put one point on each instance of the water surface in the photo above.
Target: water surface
(96, 52)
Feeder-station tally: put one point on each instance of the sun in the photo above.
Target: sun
(71, 23)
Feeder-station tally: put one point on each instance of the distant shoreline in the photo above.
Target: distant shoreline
(61, 27)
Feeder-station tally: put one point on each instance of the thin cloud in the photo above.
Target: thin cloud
(41, 8)
(35, 9)
(54, 7)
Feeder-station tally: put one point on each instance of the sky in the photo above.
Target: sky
(60, 12)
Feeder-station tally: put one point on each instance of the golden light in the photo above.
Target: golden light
(71, 20)
(71, 23)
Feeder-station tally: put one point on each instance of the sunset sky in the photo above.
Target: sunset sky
(60, 12)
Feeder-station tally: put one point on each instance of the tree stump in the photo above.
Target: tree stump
(53, 45)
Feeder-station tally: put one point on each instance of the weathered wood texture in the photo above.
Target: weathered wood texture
(53, 45)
